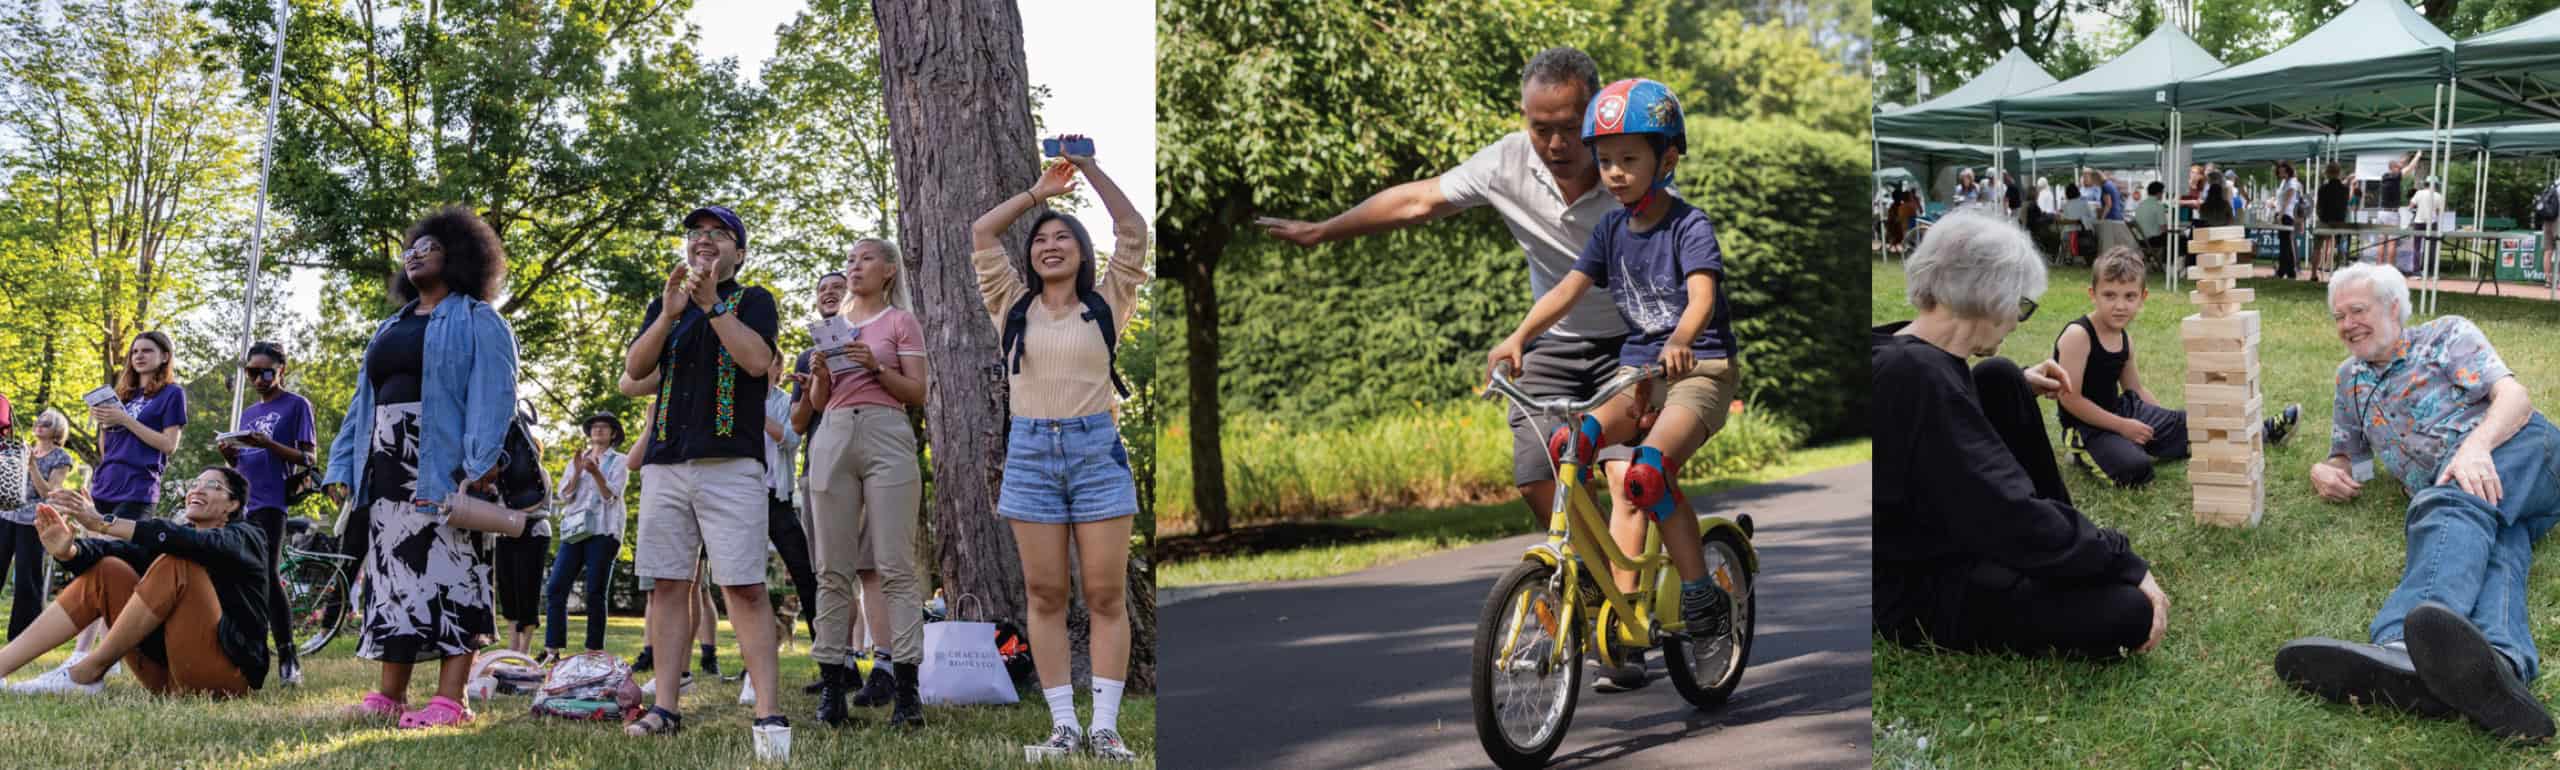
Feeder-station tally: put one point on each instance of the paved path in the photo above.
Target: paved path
(1370, 669)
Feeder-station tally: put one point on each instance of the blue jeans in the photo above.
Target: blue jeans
(594, 557)
(2472, 557)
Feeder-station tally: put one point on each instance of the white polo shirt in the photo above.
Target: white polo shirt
(1509, 176)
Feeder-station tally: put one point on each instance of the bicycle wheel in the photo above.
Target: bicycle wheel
(1706, 673)
(1524, 697)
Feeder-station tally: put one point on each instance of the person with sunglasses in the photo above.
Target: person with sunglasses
(1977, 545)
(275, 436)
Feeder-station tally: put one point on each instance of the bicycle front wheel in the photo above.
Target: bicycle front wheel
(1528, 669)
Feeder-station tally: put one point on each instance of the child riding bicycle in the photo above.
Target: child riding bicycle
(1659, 259)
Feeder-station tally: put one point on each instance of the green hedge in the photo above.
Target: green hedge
(1352, 331)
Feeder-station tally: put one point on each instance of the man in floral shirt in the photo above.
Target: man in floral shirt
(2452, 423)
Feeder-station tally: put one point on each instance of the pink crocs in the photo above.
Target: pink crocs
(440, 712)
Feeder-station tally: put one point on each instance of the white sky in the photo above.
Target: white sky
(1097, 58)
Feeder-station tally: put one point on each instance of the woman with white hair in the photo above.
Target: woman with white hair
(1977, 545)
(47, 466)
(866, 491)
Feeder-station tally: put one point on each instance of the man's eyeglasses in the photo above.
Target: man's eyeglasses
(2026, 309)
(710, 233)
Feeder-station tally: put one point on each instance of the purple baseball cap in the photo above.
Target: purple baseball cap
(728, 219)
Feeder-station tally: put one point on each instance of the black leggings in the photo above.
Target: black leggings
(279, 609)
(19, 547)
(782, 525)
(520, 562)
(1981, 606)
(2285, 262)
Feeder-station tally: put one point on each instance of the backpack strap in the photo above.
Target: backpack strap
(1099, 312)
(1016, 322)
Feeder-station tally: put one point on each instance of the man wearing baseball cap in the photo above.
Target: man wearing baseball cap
(706, 347)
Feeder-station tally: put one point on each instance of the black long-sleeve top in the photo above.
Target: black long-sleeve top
(229, 553)
(1951, 503)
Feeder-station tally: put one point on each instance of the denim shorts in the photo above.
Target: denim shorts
(1068, 471)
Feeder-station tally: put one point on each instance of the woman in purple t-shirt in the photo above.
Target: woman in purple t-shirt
(136, 437)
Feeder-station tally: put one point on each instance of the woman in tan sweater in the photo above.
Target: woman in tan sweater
(1066, 473)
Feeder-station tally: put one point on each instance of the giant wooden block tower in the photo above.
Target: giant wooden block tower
(2225, 434)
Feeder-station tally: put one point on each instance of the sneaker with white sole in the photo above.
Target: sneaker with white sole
(1062, 744)
(746, 690)
(650, 687)
(1105, 745)
(58, 682)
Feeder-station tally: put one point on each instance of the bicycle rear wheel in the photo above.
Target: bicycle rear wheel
(316, 596)
(1707, 673)
(1523, 686)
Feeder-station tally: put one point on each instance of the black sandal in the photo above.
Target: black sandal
(669, 723)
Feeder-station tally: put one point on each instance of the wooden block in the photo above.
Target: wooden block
(2213, 286)
(2222, 410)
(2229, 515)
(2231, 296)
(2225, 451)
(2230, 233)
(2214, 344)
(2217, 260)
(2242, 325)
(2247, 433)
(2200, 379)
(2226, 479)
(2203, 247)
(2223, 466)
(2232, 271)
(2240, 421)
(2218, 309)
(2243, 362)
(2236, 394)
(2239, 494)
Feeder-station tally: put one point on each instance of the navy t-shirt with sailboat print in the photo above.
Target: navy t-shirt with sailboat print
(1647, 275)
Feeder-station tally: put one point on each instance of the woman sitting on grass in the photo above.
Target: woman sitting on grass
(184, 600)
(1977, 545)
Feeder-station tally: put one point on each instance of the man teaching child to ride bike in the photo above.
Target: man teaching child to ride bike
(1659, 259)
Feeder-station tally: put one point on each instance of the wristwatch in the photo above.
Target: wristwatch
(720, 309)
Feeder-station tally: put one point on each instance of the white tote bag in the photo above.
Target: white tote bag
(961, 667)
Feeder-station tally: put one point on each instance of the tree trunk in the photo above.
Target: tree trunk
(958, 96)
(1194, 261)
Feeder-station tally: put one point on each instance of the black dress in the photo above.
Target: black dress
(1977, 546)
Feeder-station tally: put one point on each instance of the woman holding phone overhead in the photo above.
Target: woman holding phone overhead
(433, 401)
(1066, 472)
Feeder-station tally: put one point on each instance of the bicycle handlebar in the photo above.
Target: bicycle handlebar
(1558, 406)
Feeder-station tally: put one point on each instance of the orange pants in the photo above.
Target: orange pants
(181, 593)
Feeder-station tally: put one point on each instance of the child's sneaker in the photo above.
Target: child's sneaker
(1707, 611)
(1105, 744)
(2282, 426)
(1062, 743)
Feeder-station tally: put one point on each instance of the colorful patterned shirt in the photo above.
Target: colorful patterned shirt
(2417, 408)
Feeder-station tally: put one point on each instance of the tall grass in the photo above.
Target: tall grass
(1427, 455)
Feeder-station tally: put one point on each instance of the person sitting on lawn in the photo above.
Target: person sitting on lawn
(2111, 423)
(1664, 269)
(2448, 418)
(184, 599)
(1977, 545)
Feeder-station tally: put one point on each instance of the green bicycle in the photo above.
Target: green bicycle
(1554, 609)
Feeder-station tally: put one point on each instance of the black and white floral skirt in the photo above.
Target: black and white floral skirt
(427, 586)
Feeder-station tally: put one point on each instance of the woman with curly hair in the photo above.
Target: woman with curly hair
(433, 401)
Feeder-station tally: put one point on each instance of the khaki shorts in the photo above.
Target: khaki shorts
(1708, 389)
(716, 508)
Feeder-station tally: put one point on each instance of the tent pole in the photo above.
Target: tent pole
(258, 227)
(2170, 270)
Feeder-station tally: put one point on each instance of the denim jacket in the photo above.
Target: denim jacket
(464, 409)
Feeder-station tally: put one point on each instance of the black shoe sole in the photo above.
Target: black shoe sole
(2461, 668)
(2351, 674)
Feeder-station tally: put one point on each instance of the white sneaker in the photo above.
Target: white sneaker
(650, 687)
(58, 682)
(747, 690)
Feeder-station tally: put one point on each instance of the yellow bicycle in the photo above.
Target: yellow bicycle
(1554, 609)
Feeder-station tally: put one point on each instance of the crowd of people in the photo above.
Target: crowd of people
(732, 468)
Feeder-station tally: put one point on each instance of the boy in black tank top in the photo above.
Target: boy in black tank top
(2112, 424)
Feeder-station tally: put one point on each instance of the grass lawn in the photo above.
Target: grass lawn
(2209, 696)
(298, 727)
(1417, 531)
